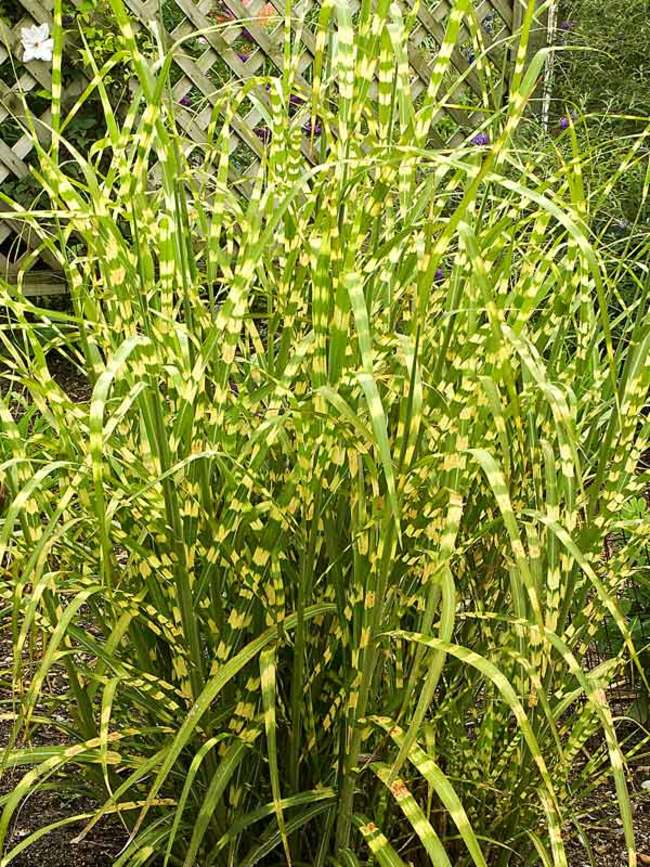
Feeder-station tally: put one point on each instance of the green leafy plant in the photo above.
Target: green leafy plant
(321, 559)
(601, 71)
(611, 67)
(601, 75)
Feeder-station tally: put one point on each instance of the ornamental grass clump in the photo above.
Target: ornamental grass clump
(320, 560)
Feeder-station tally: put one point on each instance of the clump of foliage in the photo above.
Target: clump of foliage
(93, 38)
(601, 77)
(612, 68)
(322, 557)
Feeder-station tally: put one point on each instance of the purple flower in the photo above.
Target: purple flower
(567, 25)
(294, 103)
(439, 276)
(565, 123)
(247, 35)
(481, 139)
(313, 128)
(185, 100)
(243, 56)
(263, 133)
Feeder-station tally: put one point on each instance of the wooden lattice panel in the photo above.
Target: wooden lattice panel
(262, 50)
(250, 44)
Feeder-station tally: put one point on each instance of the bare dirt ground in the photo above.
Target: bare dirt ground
(44, 807)
(604, 828)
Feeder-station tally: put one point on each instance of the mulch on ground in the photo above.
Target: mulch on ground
(604, 828)
(58, 848)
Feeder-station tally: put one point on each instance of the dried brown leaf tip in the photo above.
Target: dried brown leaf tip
(398, 789)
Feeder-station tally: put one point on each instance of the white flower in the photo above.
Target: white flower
(645, 784)
(37, 43)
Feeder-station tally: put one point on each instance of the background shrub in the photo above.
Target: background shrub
(612, 68)
(602, 78)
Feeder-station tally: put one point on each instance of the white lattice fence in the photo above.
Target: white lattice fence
(249, 45)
